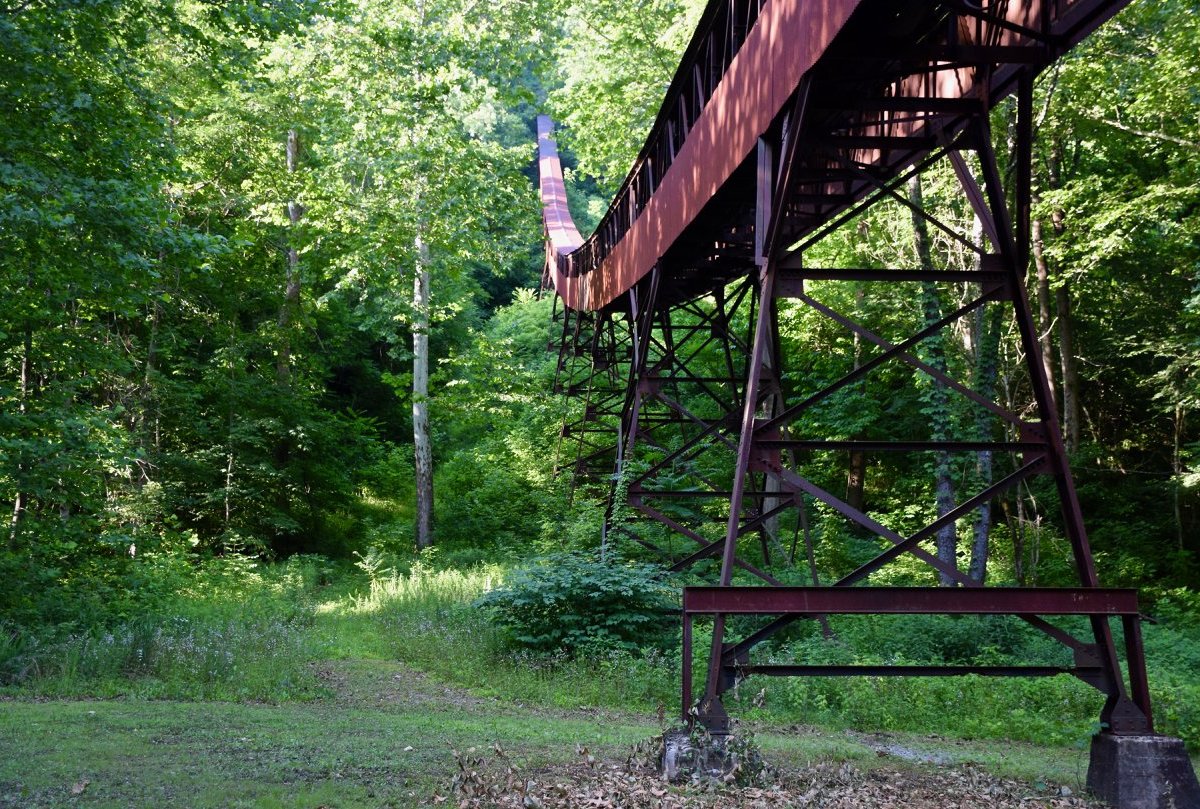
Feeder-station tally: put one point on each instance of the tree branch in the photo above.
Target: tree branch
(1145, 134)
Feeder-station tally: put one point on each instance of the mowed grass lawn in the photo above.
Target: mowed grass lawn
(331, 752)
(384, 736)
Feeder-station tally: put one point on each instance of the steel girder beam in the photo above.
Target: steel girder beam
(809, 601)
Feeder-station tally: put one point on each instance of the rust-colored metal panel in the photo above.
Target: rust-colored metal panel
(562, 238)
(787, 40)
(560, 227)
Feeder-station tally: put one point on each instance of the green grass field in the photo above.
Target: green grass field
(382, 735)
(277, 688)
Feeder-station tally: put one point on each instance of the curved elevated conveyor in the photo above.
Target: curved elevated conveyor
(885, 81)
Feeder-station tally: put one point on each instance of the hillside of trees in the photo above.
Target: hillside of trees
(271, 273)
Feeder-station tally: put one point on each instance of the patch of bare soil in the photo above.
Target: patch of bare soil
(380, 683)
(491, 780)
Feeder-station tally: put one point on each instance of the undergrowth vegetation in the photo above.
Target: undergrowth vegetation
(427, 618)
(234, 630)
(249, 631)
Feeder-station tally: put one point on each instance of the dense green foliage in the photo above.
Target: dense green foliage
(207, 341)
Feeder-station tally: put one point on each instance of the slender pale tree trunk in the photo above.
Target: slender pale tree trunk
(1068, 403)
(422, 448)
(939, 404)
(229, 461)
(230, 420)
(20, 500)
(1045, 321)
(1071, 410)
(988, 323)
(1177, 469)
(1067, 395)
(856, 472)
(148, 428)
(1020, 532)
(1016, 532)
(291, 292)
(422, 445)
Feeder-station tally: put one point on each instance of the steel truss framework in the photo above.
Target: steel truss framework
(689, 420)
(635, 370)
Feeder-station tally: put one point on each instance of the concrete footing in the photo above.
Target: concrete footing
(1142, 772)
(694, 756)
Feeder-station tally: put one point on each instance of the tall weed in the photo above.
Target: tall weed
(239, 630)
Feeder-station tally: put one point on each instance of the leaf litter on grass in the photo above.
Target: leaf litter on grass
(493, 781)
(493, 778)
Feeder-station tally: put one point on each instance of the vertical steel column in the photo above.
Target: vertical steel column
(711, 712)
(1119, 713)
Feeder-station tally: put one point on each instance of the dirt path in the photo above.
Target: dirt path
(894, 773)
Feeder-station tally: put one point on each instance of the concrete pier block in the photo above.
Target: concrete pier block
(694, 756)
(1142, 772)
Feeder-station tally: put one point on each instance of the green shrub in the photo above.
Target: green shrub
(1176, 702)
(571, 602)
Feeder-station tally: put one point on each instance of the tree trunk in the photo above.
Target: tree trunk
(150, 415)
(1070, 368)
(1032, 540)
(988, 321)
(291, 293)
(939, 404)
(422, 449)
(228, 490)
(230, 438)
(1045, 323)
(1177, 469)
(856, 473)
(856, 480)
(20, 500)
(1016, 532)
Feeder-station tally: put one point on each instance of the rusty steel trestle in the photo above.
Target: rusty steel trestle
(765, 419)
(686, 416)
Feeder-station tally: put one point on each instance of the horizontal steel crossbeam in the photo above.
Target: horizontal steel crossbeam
(909, 600)
(913, 671)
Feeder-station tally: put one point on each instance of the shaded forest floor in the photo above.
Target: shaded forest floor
(383, 734)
